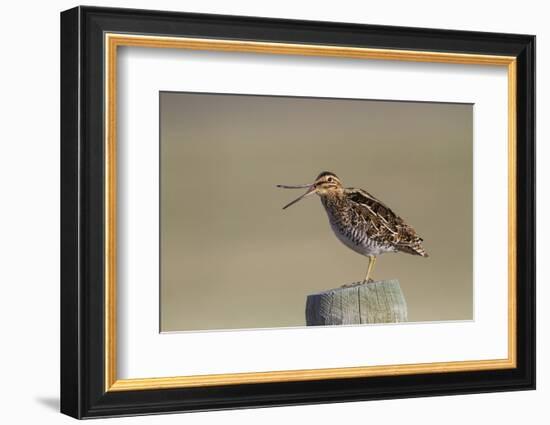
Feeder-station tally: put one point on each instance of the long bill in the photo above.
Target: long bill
(310, 191)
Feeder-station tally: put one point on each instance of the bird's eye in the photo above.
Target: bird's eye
(330, 180)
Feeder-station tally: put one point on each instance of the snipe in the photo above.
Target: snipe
(360, 221)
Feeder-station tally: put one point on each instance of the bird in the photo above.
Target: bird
(360, 221)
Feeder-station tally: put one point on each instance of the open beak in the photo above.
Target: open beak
(310, 191)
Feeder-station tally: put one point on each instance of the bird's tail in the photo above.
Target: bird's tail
(414, 248)
(421, 251)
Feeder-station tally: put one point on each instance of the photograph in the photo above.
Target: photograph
(383, 232)
(274, 211)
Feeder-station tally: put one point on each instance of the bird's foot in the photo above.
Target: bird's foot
(351, 285)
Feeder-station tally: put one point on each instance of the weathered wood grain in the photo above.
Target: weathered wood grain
(375, 302)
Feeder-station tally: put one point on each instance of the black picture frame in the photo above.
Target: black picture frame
(83, 392)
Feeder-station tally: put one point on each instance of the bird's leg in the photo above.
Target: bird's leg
(372, 260)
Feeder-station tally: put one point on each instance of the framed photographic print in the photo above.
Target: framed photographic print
(261, 212)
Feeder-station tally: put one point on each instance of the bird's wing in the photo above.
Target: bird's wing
(386, 226)
(374, 207)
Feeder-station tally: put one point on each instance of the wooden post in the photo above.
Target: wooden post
(374, 302)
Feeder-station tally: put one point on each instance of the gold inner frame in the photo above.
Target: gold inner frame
(113, 41)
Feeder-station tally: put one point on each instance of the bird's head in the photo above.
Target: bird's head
(324, 184)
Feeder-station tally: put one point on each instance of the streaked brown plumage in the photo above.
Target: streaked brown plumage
(362, 222)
